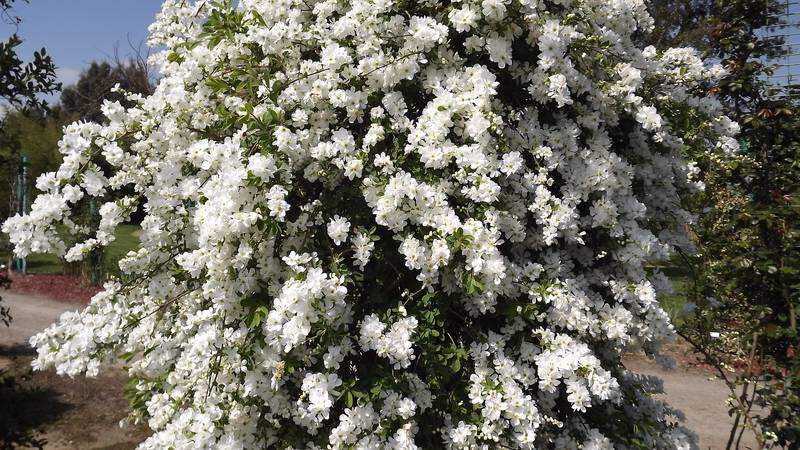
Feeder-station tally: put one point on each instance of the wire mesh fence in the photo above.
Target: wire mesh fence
(785, 61)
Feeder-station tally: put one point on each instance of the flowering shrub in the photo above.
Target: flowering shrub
(387, 224)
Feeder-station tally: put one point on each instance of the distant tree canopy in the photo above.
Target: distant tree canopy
(96, 85)
(680, 22)
(36, 135)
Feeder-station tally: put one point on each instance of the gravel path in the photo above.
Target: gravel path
(701, 399)
(31, 314)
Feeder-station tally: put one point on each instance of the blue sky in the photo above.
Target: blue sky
(77, 32)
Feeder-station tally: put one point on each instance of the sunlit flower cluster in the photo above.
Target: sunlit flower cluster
(382, 224)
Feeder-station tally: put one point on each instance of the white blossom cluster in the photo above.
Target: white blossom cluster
(394, 224)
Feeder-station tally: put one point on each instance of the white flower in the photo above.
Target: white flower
(276, 203)
(463, 19)
(499, 50)
(649, 118)
(317, 399)
(494, 9)
(362, 249)
(395, 344)
(334, 56)
(338, 228)
(440, 253)
(558, 90)
(512, 163)
(414, 251)
(262, 166)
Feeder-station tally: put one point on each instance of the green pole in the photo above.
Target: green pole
(96, 257)
(22, 199)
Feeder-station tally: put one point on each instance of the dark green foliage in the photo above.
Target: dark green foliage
(20, 82)
(680, 23)
(747, 271)
(21, 85)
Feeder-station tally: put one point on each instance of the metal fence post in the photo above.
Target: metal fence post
(22, 200)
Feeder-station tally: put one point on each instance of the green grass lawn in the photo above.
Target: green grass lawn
(127, 240)
(681, 278)
(673, 303)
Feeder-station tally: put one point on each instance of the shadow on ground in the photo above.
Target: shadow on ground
(24, 410)
(40, 409)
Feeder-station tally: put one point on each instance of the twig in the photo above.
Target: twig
(715, 364)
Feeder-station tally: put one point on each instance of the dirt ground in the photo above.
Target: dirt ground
(44, 410)
(61, 413)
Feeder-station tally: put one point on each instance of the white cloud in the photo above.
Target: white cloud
(67, 75)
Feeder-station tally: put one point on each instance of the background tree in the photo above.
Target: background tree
(679, 23)
(96, 85)
(746, 270)
(37, 134)
(21, 85)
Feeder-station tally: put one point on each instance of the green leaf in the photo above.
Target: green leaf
(175, 57)
(472, 284)
(348, 399)
(216, 84)
(259, 18)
